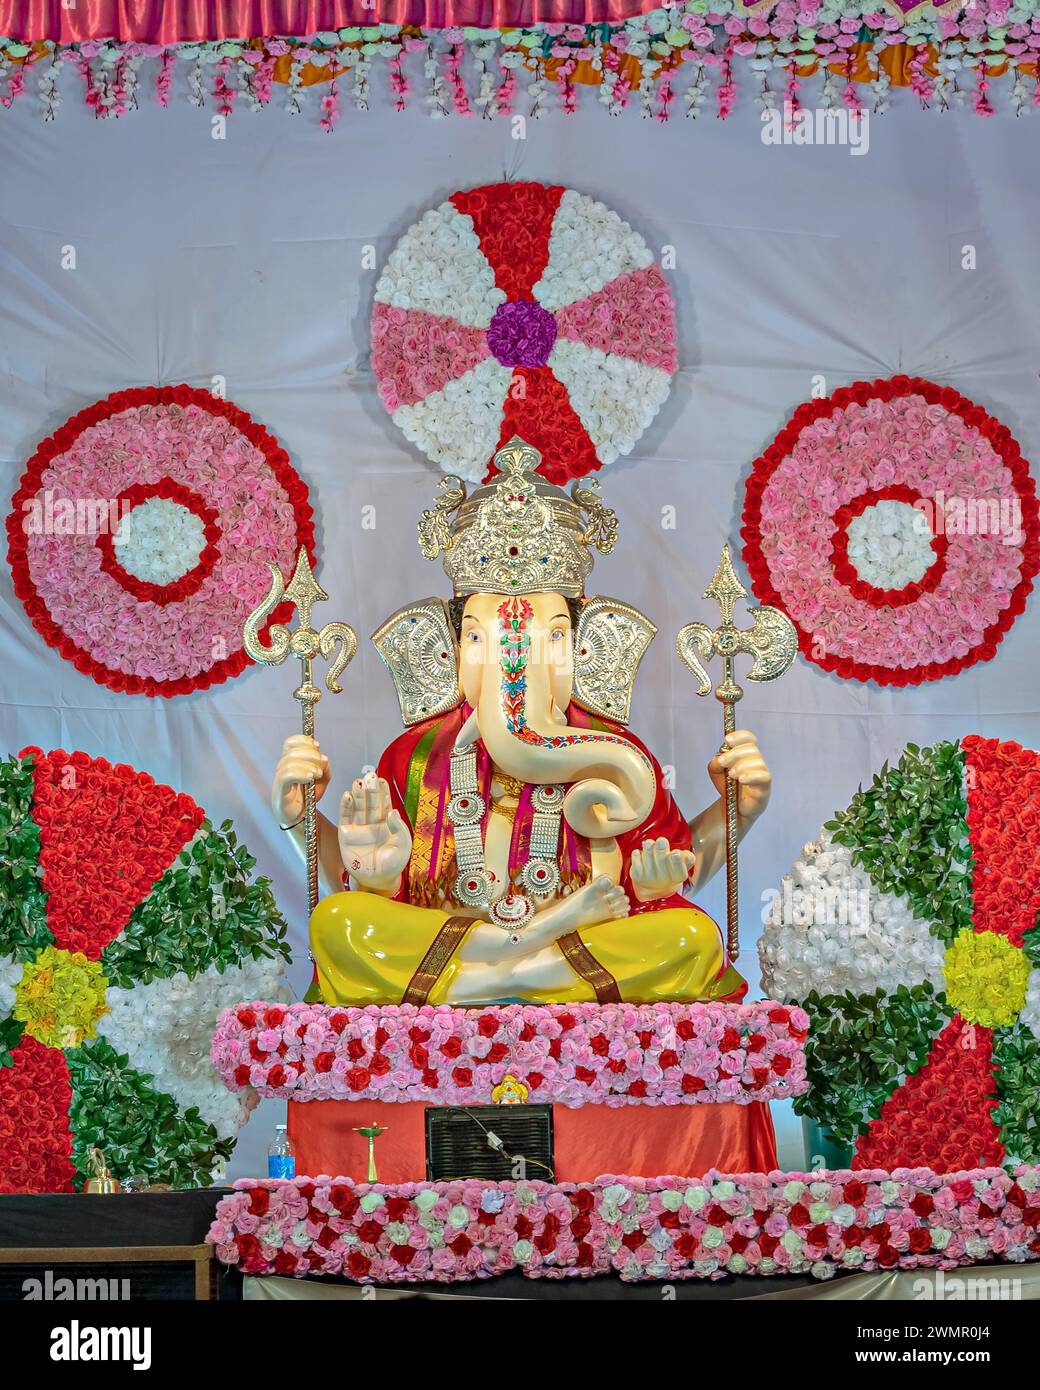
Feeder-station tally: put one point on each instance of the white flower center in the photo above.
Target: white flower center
(890, 544)
(159, 541)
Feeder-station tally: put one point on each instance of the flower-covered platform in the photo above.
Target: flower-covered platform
(651, 1087)
(639, 1228)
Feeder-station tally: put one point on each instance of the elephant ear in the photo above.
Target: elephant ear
(608, 646)
(421, 651)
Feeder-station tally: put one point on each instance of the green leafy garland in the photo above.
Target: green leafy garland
(203, 912)
(23, 910)
(860, 1048)
(142, 1132)
(908, 831)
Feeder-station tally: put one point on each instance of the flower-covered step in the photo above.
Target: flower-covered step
(908, 932)
(127, 922)
(585, 1054)
(639, 1228)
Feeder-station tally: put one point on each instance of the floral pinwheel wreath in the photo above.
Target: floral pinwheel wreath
(896, 523)
(908, 931)
(127, 923)
(139, 535)
(520, 308)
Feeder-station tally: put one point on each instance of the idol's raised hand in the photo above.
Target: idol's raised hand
(741, 761)
(374, 840)
(302, 763)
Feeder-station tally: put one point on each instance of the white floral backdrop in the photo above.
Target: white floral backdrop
(248, 258)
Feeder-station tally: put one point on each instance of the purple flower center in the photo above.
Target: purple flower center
(522, 334)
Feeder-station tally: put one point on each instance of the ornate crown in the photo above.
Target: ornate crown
(519, 533)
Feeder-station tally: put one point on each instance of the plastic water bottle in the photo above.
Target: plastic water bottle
(281, 1157)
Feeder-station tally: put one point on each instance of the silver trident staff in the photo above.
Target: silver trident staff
(305, 643)
(772, 640)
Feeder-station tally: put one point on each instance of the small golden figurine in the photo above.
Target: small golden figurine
(510, 1091)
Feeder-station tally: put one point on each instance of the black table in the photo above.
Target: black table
(134, 1246)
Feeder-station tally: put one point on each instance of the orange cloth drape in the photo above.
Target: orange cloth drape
(636, 1140)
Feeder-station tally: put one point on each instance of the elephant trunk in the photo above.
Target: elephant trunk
(614, 785)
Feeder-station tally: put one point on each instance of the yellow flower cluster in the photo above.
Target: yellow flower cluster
(986, 978)
(60, 997)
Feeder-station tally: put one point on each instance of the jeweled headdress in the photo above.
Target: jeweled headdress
(519, 533)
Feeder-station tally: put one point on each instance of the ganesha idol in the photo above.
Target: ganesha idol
(517, 843)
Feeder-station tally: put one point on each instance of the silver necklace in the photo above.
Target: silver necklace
(540, 876)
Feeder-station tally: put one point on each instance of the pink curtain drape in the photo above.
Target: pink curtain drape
(172, 21)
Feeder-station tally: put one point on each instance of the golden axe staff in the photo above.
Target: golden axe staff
(772, 641)
(303, 591)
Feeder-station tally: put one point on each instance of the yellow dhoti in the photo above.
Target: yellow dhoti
(372, 950)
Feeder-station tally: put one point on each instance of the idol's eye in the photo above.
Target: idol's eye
(557, 634)
(473, 635)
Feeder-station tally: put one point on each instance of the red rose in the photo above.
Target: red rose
(370, 1232)
(285, 1263)
(337, 1022)
(451, 1047)
(358, 1078)
(923, 1204)
(487, 1025)
(495, 1053)
(246, 1017)
(242, 1075)
(273, 1017)
(462, 1076)
(259, 1200)
(343, 1198)
(633, 1239)
(355, 1049)
(756, 1042)
(920, 1241)
(692, 1084)
(324, 1060)
(534, 1079)
(799, 1215)
(685, 1029)
(358, 1265)
(854, 1192)
(276, 1076)
(668, 1058)
(430, 1079)
(637, 1088)
(379, 1065)
(779, 1015)
(730, 1040)
(887, 1256)
(600, 1044)
(585, 1075)
(566, 1021)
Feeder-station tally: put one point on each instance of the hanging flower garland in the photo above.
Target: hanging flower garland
(127, 924)
(896, 523)
(637, 62)
(908, 933)
(139, 535)
(495, 317)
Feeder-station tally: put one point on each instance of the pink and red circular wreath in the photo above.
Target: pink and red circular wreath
(234, 487)
(903, 441)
